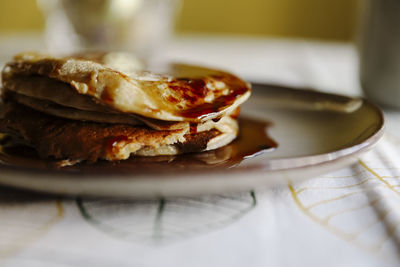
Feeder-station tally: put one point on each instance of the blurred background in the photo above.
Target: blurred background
(327, 20)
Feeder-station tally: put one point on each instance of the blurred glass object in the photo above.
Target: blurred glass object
(380, 53)
(141, 26)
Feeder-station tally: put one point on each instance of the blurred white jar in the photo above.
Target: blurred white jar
(141, 26)
(380, 52)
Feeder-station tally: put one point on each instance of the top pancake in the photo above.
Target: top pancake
(102, 82)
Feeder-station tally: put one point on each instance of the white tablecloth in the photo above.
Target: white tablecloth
(346, 218)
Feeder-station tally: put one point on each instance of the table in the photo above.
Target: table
(349, 217)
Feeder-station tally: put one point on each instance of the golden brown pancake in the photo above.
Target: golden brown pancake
(76, 140)
(183, 93)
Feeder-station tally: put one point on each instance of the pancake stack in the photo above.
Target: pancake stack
(105, 106)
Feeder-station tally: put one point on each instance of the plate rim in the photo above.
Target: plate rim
(321, 160)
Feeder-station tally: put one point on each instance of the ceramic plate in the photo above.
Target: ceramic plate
(315, 133)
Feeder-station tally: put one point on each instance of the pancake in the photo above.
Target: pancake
(104, 117)
(72, 113)
(185, 93)
(96, 107)
(61, 138)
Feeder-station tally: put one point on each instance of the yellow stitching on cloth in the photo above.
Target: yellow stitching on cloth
(391, 187)
(334, 187)
(354, 236)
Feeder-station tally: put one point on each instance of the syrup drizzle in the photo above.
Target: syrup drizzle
(252, 141)
(194, 90)
(198, 90)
